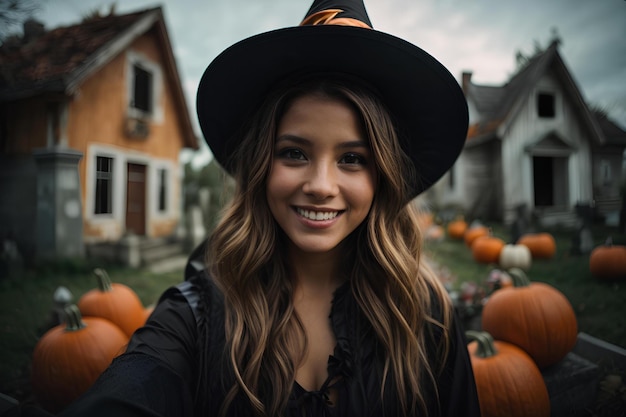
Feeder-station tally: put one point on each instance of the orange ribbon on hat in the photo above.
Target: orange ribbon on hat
(327, 17)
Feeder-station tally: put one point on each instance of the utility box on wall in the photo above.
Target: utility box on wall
(59, 228)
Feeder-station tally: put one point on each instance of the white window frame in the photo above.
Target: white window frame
(134, 58)
(111, 184)
(153, 188)
(118, 183)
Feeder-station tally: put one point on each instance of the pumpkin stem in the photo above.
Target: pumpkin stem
(486, 347)
(73, 318)
(609, 241)
(104, 282)
(520, 279)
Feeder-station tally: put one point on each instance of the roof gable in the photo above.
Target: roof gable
(59, 60)
(498, 106)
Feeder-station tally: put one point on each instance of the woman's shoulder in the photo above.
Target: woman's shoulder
(200, 293)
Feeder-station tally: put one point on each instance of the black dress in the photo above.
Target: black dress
(174, 366)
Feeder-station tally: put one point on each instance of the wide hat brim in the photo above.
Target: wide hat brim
(426, 102)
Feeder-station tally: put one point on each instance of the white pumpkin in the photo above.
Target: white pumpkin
(515, 256)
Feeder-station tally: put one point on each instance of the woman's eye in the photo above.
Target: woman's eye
(292, 153)
(352, 159)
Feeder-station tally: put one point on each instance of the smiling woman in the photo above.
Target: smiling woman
(313, 299)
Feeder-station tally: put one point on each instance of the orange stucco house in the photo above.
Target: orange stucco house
(92, 121)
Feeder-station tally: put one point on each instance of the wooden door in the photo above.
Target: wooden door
(136, 199)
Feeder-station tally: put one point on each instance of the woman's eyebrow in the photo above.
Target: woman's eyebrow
(293, 138)
(353, 144)
(357, 143)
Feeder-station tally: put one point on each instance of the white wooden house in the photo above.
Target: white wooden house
(533, 142)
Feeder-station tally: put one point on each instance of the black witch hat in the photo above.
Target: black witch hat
(336, 36)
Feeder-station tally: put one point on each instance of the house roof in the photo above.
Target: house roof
(613, 134)
(59, 60)
(498, 105)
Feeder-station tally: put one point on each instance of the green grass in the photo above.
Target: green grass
(600, 306)
(26, 305)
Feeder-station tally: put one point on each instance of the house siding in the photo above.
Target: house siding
(483, 181)
(443, 196)
(517, 189)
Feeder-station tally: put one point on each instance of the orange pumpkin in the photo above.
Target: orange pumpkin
(486, 249)
(115, 302)
(541, 245)
(69, 358)
(473, 232)
(534, 316)
(434, 233)
(608, 261)
(456, 228)
(508, 382)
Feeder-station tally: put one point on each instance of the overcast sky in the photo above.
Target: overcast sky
(481, 36)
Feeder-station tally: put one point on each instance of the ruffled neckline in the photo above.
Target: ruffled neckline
(340, 364)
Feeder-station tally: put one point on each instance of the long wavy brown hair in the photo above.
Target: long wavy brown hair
(390, 283)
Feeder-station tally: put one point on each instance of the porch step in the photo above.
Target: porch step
(158, 250)
(606, 206)
(564, 219)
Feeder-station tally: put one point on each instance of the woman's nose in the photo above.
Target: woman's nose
(321, 182)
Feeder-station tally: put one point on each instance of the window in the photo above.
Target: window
(142, 91)
(605, 172)
(546, 105)
(451, 178)
(162, 178)
(104, 185)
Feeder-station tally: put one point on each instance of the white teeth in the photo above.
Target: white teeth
(317, 215)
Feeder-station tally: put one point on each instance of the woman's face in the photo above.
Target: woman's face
(322, 180)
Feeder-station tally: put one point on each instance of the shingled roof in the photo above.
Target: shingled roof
(59, 60)
(497, 105)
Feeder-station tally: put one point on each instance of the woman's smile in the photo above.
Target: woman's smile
(317, 215)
